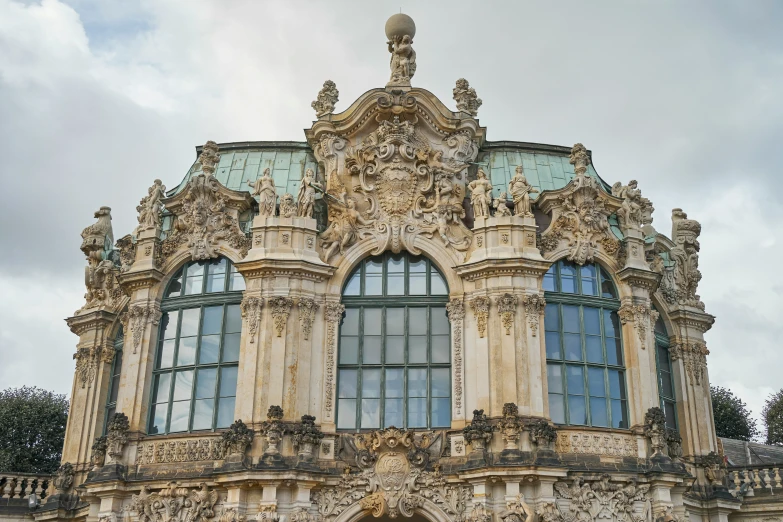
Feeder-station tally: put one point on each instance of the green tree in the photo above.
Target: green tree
(773, 418)
(32, 424)
(732, 417)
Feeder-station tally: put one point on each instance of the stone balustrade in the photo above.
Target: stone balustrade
(747, 481)
(22, 485)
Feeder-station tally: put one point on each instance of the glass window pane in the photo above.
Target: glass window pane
(663, 359)
(568, 285)
(395, 263)
(666, 385)
(611, 324)
(417, 266)
(552, 341)
(671, 415)
(417, 284)
(660, 327)
(592, 320)
(346, 414)
(347, 388)
(217, 266)
(567, 269)
(441, 413)
(395, 284)
(175, 286)
(437, 284)
(225, 412)
(417, 382)
(595, 352)
(554, 374)
(180, 415)
(417, 349)
(439, 382)
(371, 413)
(392, 415)
(417, 321)
(549, 282)
(193, 285)
(577, 413)
(228, 381)
(354, 285)
(571, 319)
(619, 414)
(616, 385)
(441, 349)
(210, 349)
(552, 317)
(440, 321)
(115, 388)
(159, 417)
(598, 413)
(349, 350)
(573, 347)
(395, 321)
(231, 347)
(216, 283)
(373, 285)
(213, 320)
(203, 412)
(350, 324)
(233, 319)
(607, 288)
(190, 318)
(417, 413)
(614, 351)
(575, 380)
(205, 383)
(371, 352)
(596, 383)
(371, 384)
(187, 351)
(395, 349)
(372, 321)
(237, 281)
(183, 385)
(195, 269)
(394, 383)
(162, 388)
(373, 266)
(166, 359)
(168, 325)
(556, 408)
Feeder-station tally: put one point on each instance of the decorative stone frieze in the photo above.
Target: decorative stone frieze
(250, 307)
(655, 430)
(479, 432)
(137, 317)
(333, 315)
(281, 308)
(116, 436)
(149, 208)
(479, 513)
(600, 499)
(639, 315)
(580, 213)
(517, 510)
(592, 443)
(534, 304)
(507, 307)
(326, 100)
(236, 440)
(231, 515)
(693, 354)
(480, 306)
(179, 450)
(267, 513)
(301, 514)
(88, 358)
(466, 97)
(63, 477)
(393, 480)
(307, 308)
(511, 426)
(455, 310)
(175, 504)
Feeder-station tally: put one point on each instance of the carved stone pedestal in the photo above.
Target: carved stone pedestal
(282, 238)
(146, 245)
(504, 237)
(634, 246)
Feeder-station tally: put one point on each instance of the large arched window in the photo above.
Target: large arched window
(585, 369)
(114, 379)
(394, 358)
(195, 376)
(665, 380)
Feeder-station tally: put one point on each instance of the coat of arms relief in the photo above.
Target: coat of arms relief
(397, 173)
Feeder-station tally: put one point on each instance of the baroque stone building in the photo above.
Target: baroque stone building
(395, 318)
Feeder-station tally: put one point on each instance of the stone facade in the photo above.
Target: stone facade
(395, 172)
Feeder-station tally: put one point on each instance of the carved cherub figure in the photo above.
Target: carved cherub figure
(520, 192)
(499, 204)
(287, 205)
(630, 214)
(481, 194)
(264, 188)
(343, 230)
(305, 199)
(403, 59)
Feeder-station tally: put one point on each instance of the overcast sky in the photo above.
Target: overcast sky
(100, 97)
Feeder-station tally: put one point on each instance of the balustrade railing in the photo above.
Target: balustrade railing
(750, 480)
(22, 485)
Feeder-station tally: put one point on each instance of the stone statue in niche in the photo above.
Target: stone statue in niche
(150, 206)
(400, 31)
(481, 194)
(499, 204)
(305, 199)
(520, 191)
(264, 188)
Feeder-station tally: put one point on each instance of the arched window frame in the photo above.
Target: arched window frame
(210, 287)
(375, 284)
(570, 289)
(114, 379)
(667, 394)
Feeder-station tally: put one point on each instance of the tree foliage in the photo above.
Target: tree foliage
(32, 430)
(773, 418)
(733, 420)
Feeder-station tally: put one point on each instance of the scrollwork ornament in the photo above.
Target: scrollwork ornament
(693, 354)
(534, 304)
(639, 315)
(480, 306)
(307, 308)
(281, 307)
(139, 315)
(456, 313)
(507, 306)
(327, 98)
(466, 98)
(250, 307)
(175, 504)
(333, 315)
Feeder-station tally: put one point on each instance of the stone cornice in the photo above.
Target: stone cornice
(499, 267)
(137, 280)
(92, 320)
(640, 278)
(285, 268)
(690, 317)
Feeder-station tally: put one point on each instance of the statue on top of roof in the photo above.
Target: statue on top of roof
(264, 188)
(520, 192)
(149, 208)
(481, 194)
(305, 199)
(327, 98)
(400, 30)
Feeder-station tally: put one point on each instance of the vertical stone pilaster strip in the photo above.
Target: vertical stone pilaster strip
(333, 315)
(456, 314)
